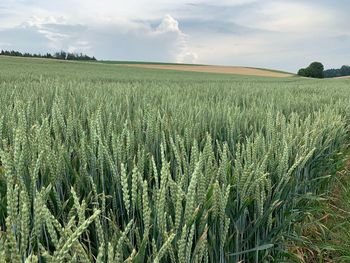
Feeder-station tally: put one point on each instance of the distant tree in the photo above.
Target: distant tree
(302, 72)
(314, 70)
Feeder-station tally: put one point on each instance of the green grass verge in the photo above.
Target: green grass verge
(324, 235)
(108, 72)
(274, 70)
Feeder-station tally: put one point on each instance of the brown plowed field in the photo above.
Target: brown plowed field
(214, 69)
(343, 77)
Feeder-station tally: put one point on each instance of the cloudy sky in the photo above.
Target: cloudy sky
(279, 34)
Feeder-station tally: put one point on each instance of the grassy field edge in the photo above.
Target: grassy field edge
(325, 232)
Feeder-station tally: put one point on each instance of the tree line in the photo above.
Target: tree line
(337, 72)
(57, 55)
(316, 70)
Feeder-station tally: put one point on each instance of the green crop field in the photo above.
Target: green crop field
(101, 163)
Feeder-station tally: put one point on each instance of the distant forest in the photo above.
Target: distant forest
(58, 55)
(339, 72)
(316, 70)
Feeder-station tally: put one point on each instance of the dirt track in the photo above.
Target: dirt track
(214, 69)
(343, 77)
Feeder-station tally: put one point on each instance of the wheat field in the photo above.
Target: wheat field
(110, 164)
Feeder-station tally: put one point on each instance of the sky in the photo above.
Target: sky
(277, 34)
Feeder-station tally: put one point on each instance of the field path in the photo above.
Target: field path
(343, 77)
(214, 69)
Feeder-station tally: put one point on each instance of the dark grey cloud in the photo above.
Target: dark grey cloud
(343, 37)
(200, 26)
(212, 11)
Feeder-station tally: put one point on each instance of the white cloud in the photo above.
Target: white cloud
(79, 47)
(168, 24)
(187, 57)
(110, 39)
(184, 54)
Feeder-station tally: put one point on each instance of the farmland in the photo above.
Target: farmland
(214, 69)
(106, 163)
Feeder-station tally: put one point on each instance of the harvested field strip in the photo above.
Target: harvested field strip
(215, 69)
